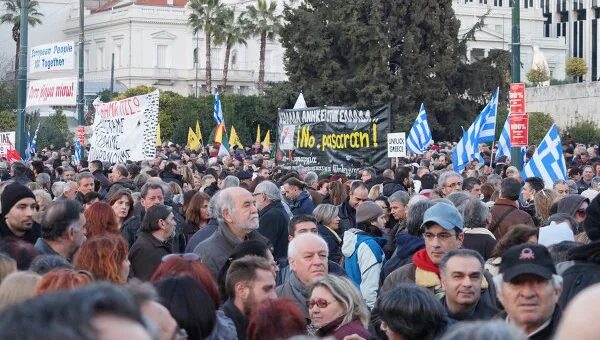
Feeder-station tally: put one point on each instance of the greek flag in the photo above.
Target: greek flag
(77, 155)
(504, 141)
(547, 161)
(218, 112)
(420, 134)
(28, 149)
(31, 143)
(481, 131)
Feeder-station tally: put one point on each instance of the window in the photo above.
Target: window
(195, 56)
(161, 56)
(234, 60)
(118, 56)
(216, 58)
(86, 57)
(100, 58)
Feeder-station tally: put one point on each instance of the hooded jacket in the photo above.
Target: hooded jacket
(302, 205)
(406, 246)
(570, 203)
(584, 272)
(364, 261)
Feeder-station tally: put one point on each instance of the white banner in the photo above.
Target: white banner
(52, 57)
(125, 129)
(396, 144)
(7, 142)
(52, 92)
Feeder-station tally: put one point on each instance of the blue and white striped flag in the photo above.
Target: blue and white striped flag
(34, 140)
(77, 154)
(547, 161)
(420, 134)
(481, 131)
(504, 141)
(218, 112)
(28, 149)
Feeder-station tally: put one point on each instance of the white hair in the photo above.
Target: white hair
(310, 237)
(557, 282)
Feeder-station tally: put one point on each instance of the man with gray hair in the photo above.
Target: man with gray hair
(231, 182)
(238, 221)
(44, 180)
(398, 208)
(307, 256)
(529, 288)
(120, 180)
(449, 182)
(477, 218)
(312, 184)
(273, 218)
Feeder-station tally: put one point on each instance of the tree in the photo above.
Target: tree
(538, 75)
(583, 131)
(576, 67)
(13, 16)
(230, 32)
(204, 16)
(264, 22)
(54, 130)
(8, 96)
(8, 121)
(539, 124)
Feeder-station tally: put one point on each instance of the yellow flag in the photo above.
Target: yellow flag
(193, 142)
(267, 142)
(234, 139)
(198, 133)
(257, 134)
(158, 140)
(219, 134)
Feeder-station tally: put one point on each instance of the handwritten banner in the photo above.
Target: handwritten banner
(125, 129)
(52, 92)
(52, 57)
(334, 139)
(7, 143)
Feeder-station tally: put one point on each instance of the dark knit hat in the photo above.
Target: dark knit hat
(367, 211)
(12, 194)
(591, 224)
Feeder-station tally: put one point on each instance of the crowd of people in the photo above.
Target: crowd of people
(193, 246)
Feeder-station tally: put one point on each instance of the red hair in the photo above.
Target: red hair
(276, 319)
(101, 219)
(103, 256)
(62, 279)
(178, 266)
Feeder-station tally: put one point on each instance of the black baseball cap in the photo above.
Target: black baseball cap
(527, 259)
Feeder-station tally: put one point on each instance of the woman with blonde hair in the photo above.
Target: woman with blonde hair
(543, 201)
(328, 223)
(17, 287)
(7, 266)
(375, 191)
(336, 308)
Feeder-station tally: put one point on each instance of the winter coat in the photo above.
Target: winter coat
(224, 328)
(125, 183)
(302, 205)
(480, 240)
(285, 272)
(546, 333)
(391, 187)
(129, 229)
(347, 216)
(515, 216)
(146, 255)
(584, 271)
(570, 203)
(339, 331)
(101, 182)
(30, 235)
(168, 177)
(201, 235)
(364, 259)
(481, 311)
(406, 246)
(273, 224)
(239, 319)
(334, 242)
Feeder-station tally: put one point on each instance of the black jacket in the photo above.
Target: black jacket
(130, 228)
(146, 255)
(169, 177)
(201, 235)
(481, 311)
(239, 319)
(584, 272)
(347, 216)
(273, 224)
(30, 235)
(101, 182)
(125, 183)
(547, 333)
(334, 243)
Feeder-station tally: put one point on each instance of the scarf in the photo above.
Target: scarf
(299, 292)
(422, 261)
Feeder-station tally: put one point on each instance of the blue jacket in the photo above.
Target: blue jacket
(302, 205)
(406, 246)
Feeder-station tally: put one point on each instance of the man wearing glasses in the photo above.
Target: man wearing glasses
(449, 182)
(443, 231)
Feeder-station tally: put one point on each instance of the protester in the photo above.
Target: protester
(518, 234)
(358, 194)
(298, 197)
(17, 287)
(120, 180)
(122, 204)
(249, 282)
(579, 319)
(152, 243)
(276, 319)
(328, 226)
(18, 207)
(477, 236)
(529, 288)
(505, 212)
(64, 229)
(151, 194)
(273, 219)
(196, 213)
(489, 330)
(63, 279)
(336, 308)
(105, 257)
(7, 266)
(448, 183)
(399, 209)
(544, 199)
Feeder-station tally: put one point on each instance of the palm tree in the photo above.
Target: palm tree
(204, 17)
(229, 32)
(12, 15)
(265, 23)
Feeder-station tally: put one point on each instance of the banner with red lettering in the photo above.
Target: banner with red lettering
(52, 92)
(125, 129)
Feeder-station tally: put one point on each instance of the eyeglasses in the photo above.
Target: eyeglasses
(321, 303)
(186, 256)
(441, 236)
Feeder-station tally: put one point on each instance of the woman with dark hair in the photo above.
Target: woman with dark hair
(249, 247)
(517, 234)
(105, 257)
(276, 319)
(189, 304)
(153, 242)
(337, 193)
(122, 205)
(100, 219)
(409, 312)
(363, 250)
(196, 214)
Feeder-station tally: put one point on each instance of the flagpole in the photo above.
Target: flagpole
(492, 153)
